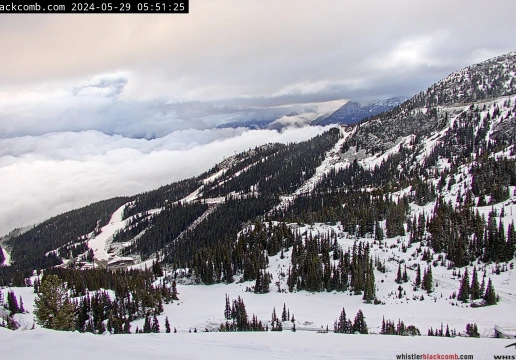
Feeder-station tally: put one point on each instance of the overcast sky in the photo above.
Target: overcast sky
(70, 83)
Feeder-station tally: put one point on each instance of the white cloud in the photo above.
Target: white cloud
(411, 53)
(47, 175)
(305, 117)
(304, 87)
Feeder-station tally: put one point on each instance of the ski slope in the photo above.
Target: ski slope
(7, 256)
(100, 242)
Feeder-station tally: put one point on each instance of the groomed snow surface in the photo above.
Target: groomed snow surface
(99, 243)
(46, 344)
(7, 256)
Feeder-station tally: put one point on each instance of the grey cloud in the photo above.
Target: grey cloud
(225, 48)
(107, 86)
(98, 104)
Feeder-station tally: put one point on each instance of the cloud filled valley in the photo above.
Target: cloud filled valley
(43, 176)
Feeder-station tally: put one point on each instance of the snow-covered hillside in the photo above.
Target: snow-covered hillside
(201, 307)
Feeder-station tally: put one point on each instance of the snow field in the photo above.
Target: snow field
(47, 344)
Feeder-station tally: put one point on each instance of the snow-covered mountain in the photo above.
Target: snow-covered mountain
(280, 117)
(356, 217)
(353, 112)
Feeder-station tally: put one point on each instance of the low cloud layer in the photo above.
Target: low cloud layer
(47, 175)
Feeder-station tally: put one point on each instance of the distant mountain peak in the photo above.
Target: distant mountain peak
(353, 112)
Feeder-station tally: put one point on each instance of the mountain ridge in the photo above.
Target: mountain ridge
(353, 112)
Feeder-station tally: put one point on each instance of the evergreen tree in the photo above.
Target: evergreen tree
(472, 330)
(418, 275)
(464, 290)
(359, 325)
(12, 303)
(400, 329)
(227, 310)
(273, 316)
(155, 324)
(427, 283)
(370, 286)
(284, 313)
(147, 328)
(127, 327)
(341, 325)
(167, 325)
(36, 286)
(52, 306)
(241, 318)
(22, 309)
(490, 297)
(475, 288)
(399, 279)
(156, 269)
(174, 291)
(378, 231)
(510, 245)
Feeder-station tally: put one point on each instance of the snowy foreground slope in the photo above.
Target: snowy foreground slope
(47, 344)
